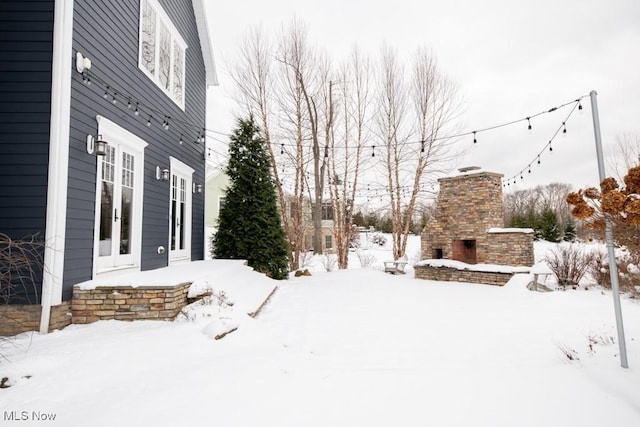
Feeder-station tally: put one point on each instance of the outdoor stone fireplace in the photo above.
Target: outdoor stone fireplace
(468, 226)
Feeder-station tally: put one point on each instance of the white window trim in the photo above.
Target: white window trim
(179, 168)
(161, 16)
(111, 131)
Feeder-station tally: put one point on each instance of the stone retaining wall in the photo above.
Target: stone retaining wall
(128, 303)
(448, 274)
(17, 319)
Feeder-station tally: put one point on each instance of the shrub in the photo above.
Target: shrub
(366, 259)
(378, 239)
(329, 262)
(21, 263)
(569, 263)
(628, 272)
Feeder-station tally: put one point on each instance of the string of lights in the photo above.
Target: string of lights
(561, 130)
(186, 131)
(183, 130)
(113, 92)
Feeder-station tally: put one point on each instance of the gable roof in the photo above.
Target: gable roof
(205, 42)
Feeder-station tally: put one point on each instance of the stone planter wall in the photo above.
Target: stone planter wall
(448, 274)
(128, 303)
(17, 319)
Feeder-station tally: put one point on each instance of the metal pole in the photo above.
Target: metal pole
(613, 267)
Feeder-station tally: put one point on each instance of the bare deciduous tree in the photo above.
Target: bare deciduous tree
(414, 110)
(625, 154)
(349, 135)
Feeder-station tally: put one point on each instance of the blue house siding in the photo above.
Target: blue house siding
(107, 33)
(26, 44)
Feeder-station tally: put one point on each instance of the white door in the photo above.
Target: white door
(117, 192)
(118, 200)
(180, 211)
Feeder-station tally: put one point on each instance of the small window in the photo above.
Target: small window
(221, 201)
(328, 241)
(162, 51)
(327, 211)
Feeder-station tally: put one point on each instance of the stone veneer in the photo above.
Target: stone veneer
(470, 208)
(448, 274)
(507, 246)
(17, 319)
(128, 303)
(467, 207)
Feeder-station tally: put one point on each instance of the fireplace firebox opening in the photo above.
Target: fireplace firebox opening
(465, 251)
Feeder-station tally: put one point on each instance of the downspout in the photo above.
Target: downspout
(61, 68)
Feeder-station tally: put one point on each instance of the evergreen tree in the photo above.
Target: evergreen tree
(548, 226)
(570, 231)
(249, 223)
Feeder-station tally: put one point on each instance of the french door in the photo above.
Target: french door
(180, 211)
(119, 200)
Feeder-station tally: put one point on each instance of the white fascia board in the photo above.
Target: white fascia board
(205, 42)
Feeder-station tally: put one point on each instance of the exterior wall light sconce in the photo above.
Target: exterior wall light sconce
(162, 174)
(97, 146)
(197, 188)
(82, 63)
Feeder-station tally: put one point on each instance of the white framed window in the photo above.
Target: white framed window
(328, 241)
(161, 51)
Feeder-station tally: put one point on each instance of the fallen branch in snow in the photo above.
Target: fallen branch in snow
(224, 334)
(568, 352)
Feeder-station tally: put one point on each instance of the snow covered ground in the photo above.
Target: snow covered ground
(343, 348)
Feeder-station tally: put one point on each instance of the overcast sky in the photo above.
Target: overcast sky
(510, 59)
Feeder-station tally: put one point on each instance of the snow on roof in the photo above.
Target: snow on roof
(459, 265)
(511, 230)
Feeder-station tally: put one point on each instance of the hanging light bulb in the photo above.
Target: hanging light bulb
(129, 103)
(181, 136)
(281, 148)
(579, 106)
(136, 112)
(149, 121)
(373, 151)
(166, 123)
(106, 93)
(564, 128)
(529, 124)
(475, 141)
(550, 147)
(113, 100)
(538, 159)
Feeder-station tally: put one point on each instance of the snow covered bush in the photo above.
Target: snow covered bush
(378, 239)
(569, 263)
(366, 259)
(329, 262)
(628, 272)
(306, 259)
